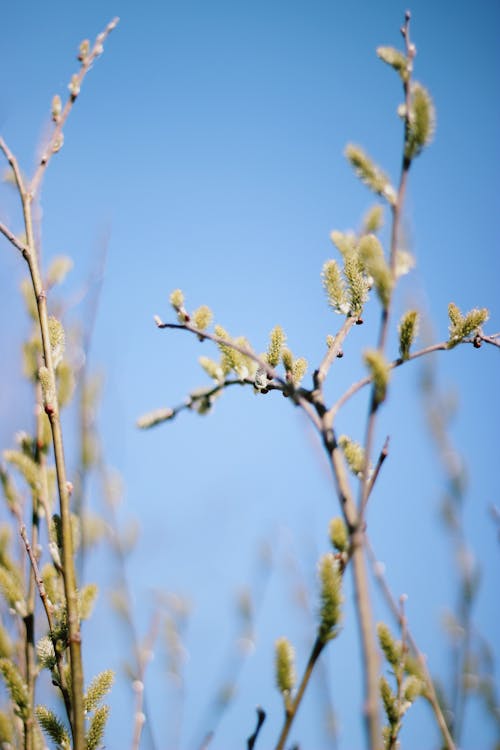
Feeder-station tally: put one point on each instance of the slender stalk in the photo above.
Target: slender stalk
(68, 567)
(60, 120)
(29, 251)
(334, 351)
(296, 394)
(48, 611)
(291, 711)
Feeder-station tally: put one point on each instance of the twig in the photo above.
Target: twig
(75, 85)
(13, 239)
(440, 347)
(296, 394)
(291, 711)
(14, 166)
(370, 654)
(30, 253)
(47, 605)
(382, 456)
(333, 352)
(261, 717)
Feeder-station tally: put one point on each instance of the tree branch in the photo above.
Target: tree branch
(60, 120)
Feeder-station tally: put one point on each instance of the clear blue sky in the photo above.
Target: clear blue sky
(207, 147)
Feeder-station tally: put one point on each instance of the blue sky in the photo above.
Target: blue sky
(206, 150)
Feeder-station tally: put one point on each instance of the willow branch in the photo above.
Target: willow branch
(60, 120)
(369, 649)
(291, 711)
(13, 239)
(334, 351)
(296, 394)
(47, 605)
(442, 346)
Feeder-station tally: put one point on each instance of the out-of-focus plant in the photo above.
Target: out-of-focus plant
(44, 604)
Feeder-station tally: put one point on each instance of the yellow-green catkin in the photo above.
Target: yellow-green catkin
(153, 418)
(299, 370)
(53, 727)
(369, 173)
(338, 534)
(421, 121)
(408, 329)
(373, 260)
(373, 219)
(16, 687)
(379, 371)
(56, 108)
(98, 688)
(212, 368)
(462, 326)
(331, 596)
(177, 302)
(396, 60)
(390, 702)
(334, 286)
(390, 647)
(277, 340)
(96, 728)
(202, 317)
(358, 285)
(345, 242)
(284, 655)
(57, 340)
(354, 454)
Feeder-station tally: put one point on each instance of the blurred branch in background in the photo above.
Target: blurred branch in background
(472, 664)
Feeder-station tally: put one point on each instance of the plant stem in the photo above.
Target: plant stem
(291, 711)
(69, 577)
(70, 590)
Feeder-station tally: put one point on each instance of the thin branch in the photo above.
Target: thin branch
(442, 346)
(370, 654)
(76, 82)
(13, 239)
(261, 717)
(334, 351)
(291, 711)
(393, 606)
(296, 394)
(14, 166)
(382, 456)
(47, 605)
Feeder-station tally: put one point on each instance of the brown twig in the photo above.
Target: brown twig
(296, 394)
(60, 120)
(47, 605)
(333, 352)
(292, 709)
(31, 255)
(13, 239)
(442, 346)
(370, 654)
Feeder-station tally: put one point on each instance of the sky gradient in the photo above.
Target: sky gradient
(206, 153)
